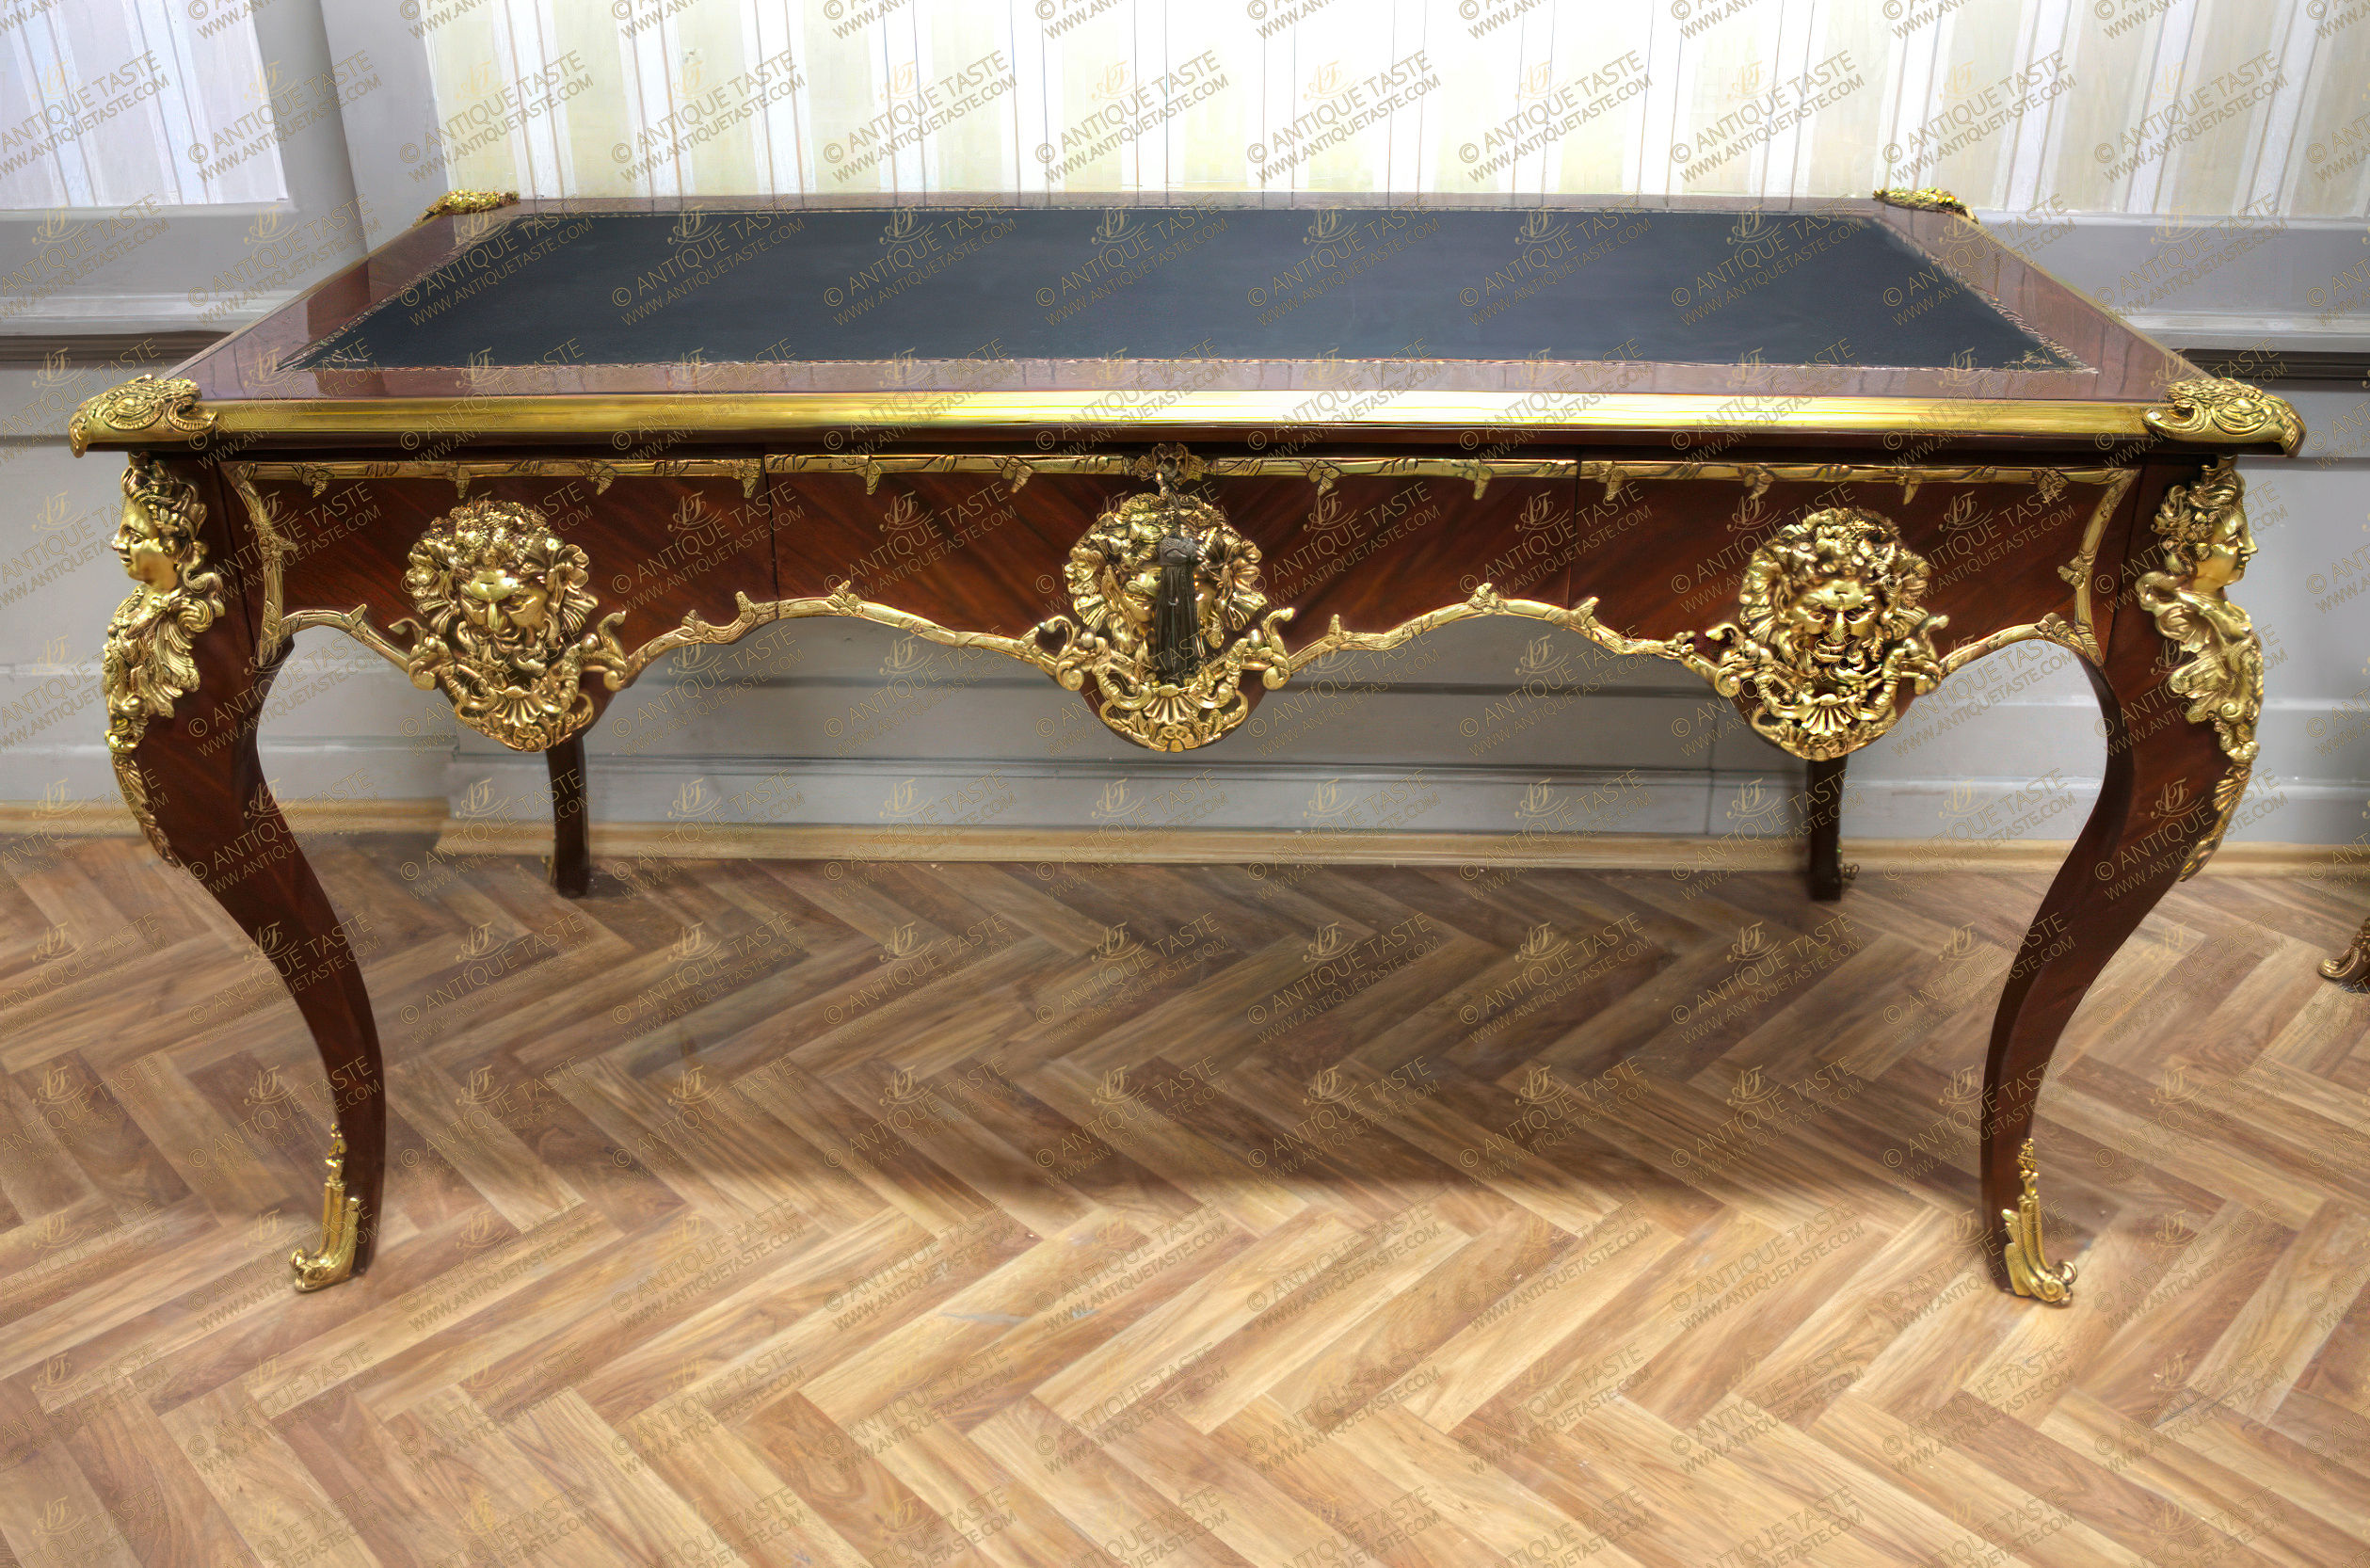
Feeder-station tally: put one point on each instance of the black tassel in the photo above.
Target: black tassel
(1176, 635)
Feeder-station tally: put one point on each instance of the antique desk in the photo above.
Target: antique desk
(1822, 456)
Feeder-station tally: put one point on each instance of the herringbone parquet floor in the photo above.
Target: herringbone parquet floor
(786, 1213)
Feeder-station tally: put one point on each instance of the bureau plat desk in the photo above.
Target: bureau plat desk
(1822, 456)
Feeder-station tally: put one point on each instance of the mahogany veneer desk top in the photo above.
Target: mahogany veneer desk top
(1821, 456)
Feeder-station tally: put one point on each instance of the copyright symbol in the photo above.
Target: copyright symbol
(2316, 583)
(2104, 153)
(619, 152)
(196, 153)
(1469, 9)
(1892, 10)
(833, 9)
(1045, 299)
(1468, 297)
(621, 582)
(1256, 151)
(831, 296)
(1678, 11)
(411, 296)
(1045, 151)
(1678, 151)
(2317, 152)
(834, 152)
(1680, 296)
(410, 1013)
(1469, 152)
(1259, 1013)
(1893, 1158)
(1046, 10)
(409, 153)
(1892, 297)
(409, 10)
(621, 9)
(197, 724)
(622, 297)
(1257, 296)
(1892, 152)
(1469, 1158)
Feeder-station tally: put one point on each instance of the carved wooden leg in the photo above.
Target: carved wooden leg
(571, 827)
(1823, 816)
(2179, 749)
(183, 696)
(2351, 967)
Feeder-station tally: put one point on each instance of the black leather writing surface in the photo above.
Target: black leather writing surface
(1229, 283)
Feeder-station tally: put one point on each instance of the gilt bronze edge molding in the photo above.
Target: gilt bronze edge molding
(2208, 411)
(624, 666)
(600, 415)
(1018, 468)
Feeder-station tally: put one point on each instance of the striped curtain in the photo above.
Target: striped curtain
(130, 105)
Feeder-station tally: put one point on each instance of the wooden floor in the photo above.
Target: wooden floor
(804, 1213)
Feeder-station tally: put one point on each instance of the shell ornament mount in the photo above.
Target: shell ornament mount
(1831, 634)
(1169, 619)
(505, 623)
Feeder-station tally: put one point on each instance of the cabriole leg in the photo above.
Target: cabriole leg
(2179, 749)
(183, 696)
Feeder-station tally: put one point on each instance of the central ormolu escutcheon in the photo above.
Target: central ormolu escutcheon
(1166, 596)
